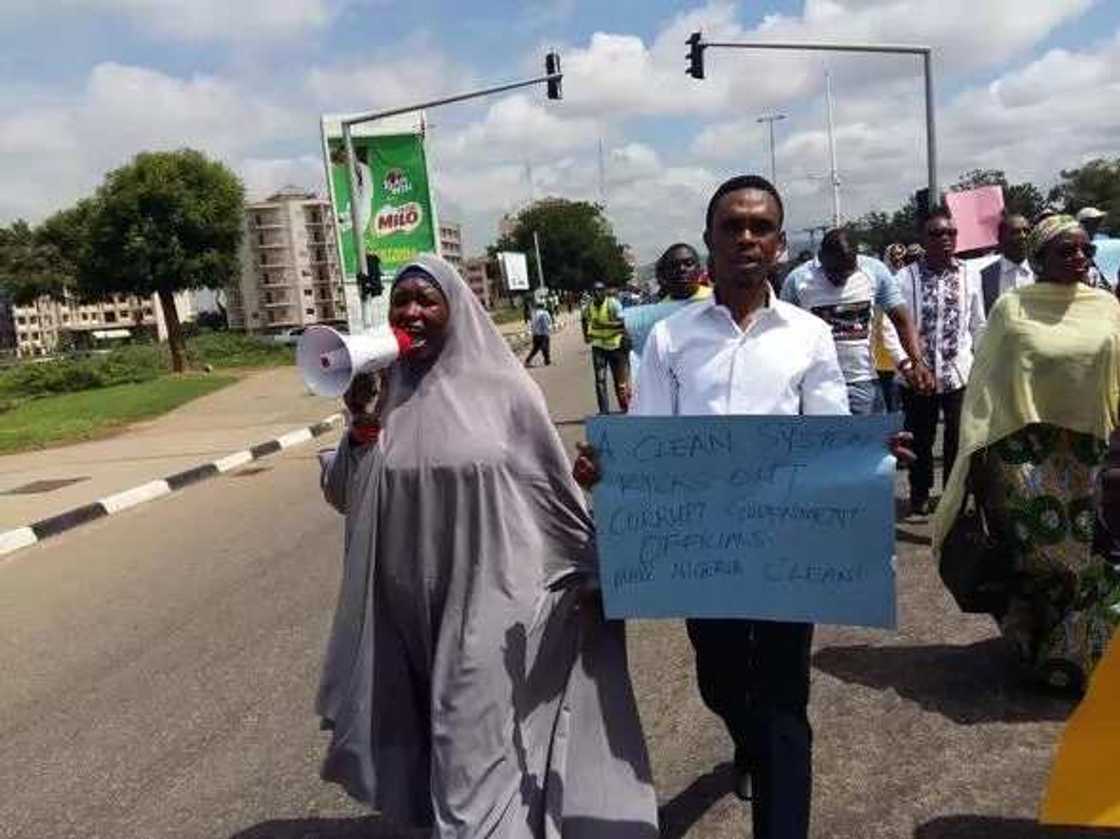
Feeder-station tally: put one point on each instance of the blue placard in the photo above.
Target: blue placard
(776, 518)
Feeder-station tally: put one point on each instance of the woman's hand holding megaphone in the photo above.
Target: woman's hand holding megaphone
(361, 400)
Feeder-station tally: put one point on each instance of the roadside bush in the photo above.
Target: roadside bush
(236, 349)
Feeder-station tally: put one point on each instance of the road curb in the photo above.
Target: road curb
(22, 537)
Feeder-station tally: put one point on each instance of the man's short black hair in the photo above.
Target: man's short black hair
(744, 182)
(834, 239)
(940, 211)
(661, 260)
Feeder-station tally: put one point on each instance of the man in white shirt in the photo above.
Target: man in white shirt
(745, 352)
(843, 288)
(540, 327)
(944, 295)
(1012, 269)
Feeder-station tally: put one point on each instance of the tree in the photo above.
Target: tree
(164, 223)
(1096, 184)
(30, 267)
(578, 245)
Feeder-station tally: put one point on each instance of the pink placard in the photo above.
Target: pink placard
(977, 213)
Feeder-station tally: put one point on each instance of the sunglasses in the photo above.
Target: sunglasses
(1070, 249)
(943, 232)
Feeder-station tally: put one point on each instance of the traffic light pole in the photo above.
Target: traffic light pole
(552, 78)
(698, 44)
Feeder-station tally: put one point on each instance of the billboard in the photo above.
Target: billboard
(515, 270)
(396, 213)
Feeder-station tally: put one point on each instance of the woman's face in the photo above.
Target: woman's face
(1066, 259)
(418, 307)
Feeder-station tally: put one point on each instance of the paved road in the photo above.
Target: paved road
(159, 668)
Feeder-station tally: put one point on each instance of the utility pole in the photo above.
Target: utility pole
(832, 154)
(771, 119)
(540, 268)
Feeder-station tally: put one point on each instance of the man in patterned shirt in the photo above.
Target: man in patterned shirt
(945, 297)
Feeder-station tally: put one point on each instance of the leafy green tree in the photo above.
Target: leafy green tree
(30, 267)
(578, 245)
(164, 223)
(1096, 184)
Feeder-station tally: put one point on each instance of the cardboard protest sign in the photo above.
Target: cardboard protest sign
(777, 518)
(1083, 788)
(977, 213)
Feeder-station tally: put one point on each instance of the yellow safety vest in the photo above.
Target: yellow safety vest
(599, 329)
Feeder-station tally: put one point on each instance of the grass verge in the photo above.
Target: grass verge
(69, 417)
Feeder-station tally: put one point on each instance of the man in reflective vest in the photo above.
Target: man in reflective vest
(605, 332)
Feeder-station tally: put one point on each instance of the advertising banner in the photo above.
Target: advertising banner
(515, 270)
(395, 211)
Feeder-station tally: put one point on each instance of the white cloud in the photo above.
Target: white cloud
(200, 20)
(55, 154)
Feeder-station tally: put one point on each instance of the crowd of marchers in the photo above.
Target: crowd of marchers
(472, 684)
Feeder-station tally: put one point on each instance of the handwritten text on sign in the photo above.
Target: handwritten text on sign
(778, 518)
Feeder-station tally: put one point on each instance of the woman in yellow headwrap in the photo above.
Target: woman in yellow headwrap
(1040, 405)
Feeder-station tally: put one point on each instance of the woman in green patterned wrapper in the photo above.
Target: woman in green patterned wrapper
(1041, 403)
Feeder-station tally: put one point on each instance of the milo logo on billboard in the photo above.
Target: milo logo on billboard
(403, 218)
(396, 182)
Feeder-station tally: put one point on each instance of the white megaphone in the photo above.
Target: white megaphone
(329, 360)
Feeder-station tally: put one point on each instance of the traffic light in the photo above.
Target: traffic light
(695, 56)
(552, 67)
(369, 284)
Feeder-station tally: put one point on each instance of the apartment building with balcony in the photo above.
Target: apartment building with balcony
(451, 242)
(49, 324)
(290, 273)
(476, 272)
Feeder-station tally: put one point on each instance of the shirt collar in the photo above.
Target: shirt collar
(925, 271)
(772, 308)
(1006, 263)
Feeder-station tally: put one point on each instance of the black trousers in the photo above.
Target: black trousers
(755, 676)
(619, 363)
(921, 420)
(541, 344)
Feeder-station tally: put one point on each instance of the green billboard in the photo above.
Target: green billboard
(394, 201)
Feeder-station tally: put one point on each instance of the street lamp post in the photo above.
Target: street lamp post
(771, 119)
(696, 69)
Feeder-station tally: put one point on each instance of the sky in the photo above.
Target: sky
(1029, 87)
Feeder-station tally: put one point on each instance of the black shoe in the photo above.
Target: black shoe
(919, 506)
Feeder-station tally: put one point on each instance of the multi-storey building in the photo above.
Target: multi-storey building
(290, 273)
(47, 324)
(476, 271)
(451, 242)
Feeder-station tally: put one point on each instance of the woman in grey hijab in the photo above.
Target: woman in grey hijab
(471, 683)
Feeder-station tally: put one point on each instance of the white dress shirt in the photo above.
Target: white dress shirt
(699, 362)
(1014, 274)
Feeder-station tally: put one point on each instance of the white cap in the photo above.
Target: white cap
(1086, 213)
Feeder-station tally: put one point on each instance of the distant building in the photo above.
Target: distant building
(290, 273)
(476, 271)
(451, 242)
(48, 325)
(507, 224)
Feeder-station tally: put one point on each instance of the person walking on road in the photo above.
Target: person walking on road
(845, 290)
(743, 351)
(540, 325)
(471, 684)
(1040, 408)
(944, 295)
(605, 331)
